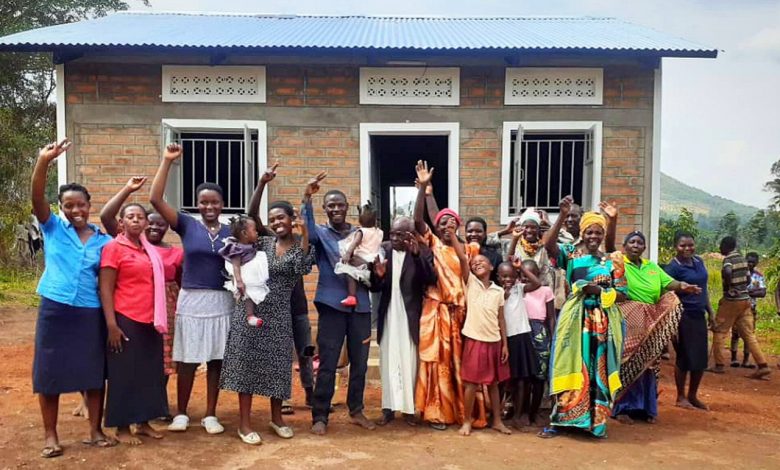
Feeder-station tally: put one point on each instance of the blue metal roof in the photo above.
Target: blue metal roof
(221, 31)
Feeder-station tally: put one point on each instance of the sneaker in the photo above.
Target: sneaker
(349, 301)
(254, 321)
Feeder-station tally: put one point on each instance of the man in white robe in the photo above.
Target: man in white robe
(402, 279)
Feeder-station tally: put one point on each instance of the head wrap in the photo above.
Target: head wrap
(635, 233)
(592, 218)
(530, 215)
(450, 213)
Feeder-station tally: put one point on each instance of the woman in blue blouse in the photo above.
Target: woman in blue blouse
(70, 334)
(691, 343)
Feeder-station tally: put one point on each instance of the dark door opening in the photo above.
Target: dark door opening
(393, 160)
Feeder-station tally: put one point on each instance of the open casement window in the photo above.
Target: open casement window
(548, 164)
(227, 153)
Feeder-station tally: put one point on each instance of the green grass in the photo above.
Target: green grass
(17, 287)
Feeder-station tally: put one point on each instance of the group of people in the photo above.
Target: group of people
(538, 308)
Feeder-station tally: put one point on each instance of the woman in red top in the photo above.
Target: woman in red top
(172, 258)
(131, 283)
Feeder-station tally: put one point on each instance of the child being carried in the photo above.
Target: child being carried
(248, 268)
(357, 251)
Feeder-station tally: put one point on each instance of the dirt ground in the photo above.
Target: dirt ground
(741, 431)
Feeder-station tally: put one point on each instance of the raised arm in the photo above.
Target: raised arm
(532, 282)
(465, 269)
(611, 211)
(312, 187)
(257, 196)
(157, 193)
(516, 234)
(424, 176)
(430, 202)
(551, 237)
(114, 205)
(46, 156)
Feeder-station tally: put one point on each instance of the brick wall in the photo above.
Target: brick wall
(480, 171)
(623, 175)
(106, 154)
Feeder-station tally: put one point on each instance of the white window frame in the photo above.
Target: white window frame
(452, 73)
(259, 71)
(450, 129)
(533, 72)
(170, 126)
(594, 127)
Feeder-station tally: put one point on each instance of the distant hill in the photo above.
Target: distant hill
(675, 195)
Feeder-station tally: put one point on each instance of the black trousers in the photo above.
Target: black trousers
(333, 326)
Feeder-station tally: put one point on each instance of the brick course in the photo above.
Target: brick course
(105, 155)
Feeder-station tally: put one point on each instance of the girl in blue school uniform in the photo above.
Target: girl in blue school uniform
(70, 334)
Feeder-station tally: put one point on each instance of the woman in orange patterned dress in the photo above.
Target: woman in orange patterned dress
(439, 391)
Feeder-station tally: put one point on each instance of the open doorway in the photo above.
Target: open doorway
(393, 158)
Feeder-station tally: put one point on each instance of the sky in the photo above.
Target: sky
(721, 117)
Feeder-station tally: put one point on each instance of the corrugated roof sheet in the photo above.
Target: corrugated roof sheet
(213, 31)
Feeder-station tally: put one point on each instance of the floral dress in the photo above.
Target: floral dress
(258, 360)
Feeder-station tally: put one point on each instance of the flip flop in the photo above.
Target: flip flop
(285, 432)
(548, 433)
(49, 452)
(100, 442)
(253, 438)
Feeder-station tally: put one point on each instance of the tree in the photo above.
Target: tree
(729, 225)
(756, 230)
(773, 185)
(27, 114)
(668, 229)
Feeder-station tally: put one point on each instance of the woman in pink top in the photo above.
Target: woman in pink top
(172, 258)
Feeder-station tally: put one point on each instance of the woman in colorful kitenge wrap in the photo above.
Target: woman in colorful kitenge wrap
(652, 316)
(588, 340)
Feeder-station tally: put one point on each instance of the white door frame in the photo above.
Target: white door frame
(450, 129)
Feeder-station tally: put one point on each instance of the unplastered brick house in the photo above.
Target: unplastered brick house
(512, 112)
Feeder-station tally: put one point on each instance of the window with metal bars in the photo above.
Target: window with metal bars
(547, 166)
(217, 158)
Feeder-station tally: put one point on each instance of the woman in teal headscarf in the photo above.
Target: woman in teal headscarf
(587, 347)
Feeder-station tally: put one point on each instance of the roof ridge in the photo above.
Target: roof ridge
(379, 17)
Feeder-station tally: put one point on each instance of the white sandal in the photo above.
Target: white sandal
(211, 423)
(180, 423)
(285, 432)
(252, 438)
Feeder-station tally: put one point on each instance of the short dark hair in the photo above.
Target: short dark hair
(680, 234)
(508, 264)
(728, 244)
(133, 204)
(335, 192)
(73, 187)
(531, 264)
(207, 186)
(479, 220)
(283, 205)
(238, 224)
(367, 215)
(753, 254)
